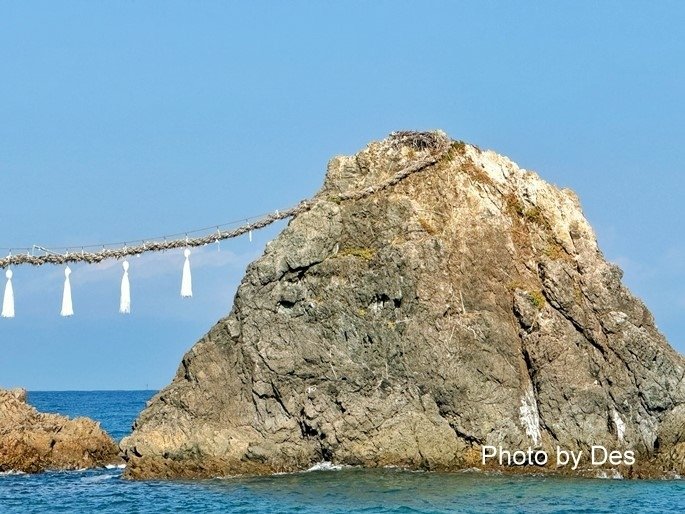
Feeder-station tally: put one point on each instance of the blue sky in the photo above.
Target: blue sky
(126, 120)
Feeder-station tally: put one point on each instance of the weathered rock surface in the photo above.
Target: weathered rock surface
(466, 305)
(31, 441)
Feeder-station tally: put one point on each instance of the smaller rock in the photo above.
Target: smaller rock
(31, 441)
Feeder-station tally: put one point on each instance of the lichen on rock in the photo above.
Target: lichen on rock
(468, 304)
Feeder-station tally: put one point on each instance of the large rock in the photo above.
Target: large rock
(31, 441)
(465, 303)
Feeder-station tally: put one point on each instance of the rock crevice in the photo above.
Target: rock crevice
(464, 305)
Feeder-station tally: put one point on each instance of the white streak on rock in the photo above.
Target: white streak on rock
(620, 425)
(530, 418)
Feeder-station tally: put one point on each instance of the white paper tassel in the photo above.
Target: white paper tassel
(67, 308)
(249, 235)
(8, 300)
(125, 302)
(186, 281)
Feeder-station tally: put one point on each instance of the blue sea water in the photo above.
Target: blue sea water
(321, 491)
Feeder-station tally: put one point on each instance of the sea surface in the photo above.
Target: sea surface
(324, 489)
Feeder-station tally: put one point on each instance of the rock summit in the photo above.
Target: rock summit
(433, 300)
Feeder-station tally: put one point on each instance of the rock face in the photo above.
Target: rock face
(466, 304)
(31, 441)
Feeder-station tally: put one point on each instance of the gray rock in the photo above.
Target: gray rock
(468, 304)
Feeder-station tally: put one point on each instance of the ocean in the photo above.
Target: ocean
(325, 489)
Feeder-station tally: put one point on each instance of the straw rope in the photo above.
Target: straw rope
(420, 140)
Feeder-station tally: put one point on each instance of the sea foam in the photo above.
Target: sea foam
(325, 466)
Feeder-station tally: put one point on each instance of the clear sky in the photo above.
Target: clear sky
(125, 120)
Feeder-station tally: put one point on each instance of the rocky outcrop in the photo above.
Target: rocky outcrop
(32, 442)
(464, 304)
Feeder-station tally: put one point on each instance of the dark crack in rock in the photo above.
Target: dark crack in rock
(467, 305)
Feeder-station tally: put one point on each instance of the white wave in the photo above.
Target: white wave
(97, 478)
(471, 470)
(325, 466)
(11, 472)
(115, 466)
(319, 466)
(611, 474)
